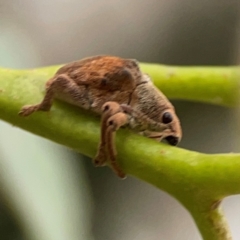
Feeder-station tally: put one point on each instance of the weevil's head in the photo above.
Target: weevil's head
(172, 133)
(155, 105)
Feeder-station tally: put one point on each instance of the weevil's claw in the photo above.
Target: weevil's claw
(27, 110)
(100, 159)
(122, 175)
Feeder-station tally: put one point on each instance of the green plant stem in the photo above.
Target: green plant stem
(215, 85)
(197, 180)
(210, 222)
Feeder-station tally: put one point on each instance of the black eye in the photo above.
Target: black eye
(167, 117)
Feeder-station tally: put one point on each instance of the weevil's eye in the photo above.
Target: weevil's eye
(167, 117)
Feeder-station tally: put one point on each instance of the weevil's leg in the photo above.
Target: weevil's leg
(113, 124)
(101, 157)
(45, 105)
(108, 109)
(60, 85)
(158, 136)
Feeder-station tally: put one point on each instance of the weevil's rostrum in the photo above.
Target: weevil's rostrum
(116, 89)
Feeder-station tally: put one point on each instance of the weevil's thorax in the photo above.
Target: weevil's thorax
(149, 100)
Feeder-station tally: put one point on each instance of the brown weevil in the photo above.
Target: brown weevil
(116, 89)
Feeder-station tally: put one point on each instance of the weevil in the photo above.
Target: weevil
(116, 89)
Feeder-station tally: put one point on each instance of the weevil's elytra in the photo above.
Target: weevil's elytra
(116, 89)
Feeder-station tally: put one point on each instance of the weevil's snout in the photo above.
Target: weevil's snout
(172, 140)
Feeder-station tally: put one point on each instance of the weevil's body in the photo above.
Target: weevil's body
(100, 79)
(117, 89)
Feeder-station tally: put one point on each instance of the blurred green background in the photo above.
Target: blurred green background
(48, 192)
